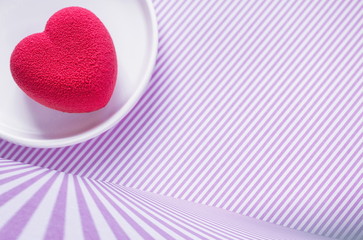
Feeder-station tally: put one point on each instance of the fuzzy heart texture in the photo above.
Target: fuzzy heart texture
(71, 66)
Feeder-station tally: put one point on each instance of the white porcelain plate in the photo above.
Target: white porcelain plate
(132, 25)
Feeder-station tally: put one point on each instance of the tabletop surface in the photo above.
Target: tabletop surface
(254, 107)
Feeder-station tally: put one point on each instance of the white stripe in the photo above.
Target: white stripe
(72, 225)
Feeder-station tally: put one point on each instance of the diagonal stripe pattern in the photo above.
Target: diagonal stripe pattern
(61, 206)
(254, 107)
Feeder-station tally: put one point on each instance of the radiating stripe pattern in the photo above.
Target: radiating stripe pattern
(37, 203)
(254, 107)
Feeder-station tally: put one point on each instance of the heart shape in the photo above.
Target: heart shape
(71, 66)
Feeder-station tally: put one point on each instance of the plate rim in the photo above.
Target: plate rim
(112, 121)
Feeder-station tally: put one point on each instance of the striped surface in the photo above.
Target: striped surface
(36, 203)
(254, 107)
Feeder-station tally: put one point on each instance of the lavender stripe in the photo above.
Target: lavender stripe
(88, 226)
(55, 229)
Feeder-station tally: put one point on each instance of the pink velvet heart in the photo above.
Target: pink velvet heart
(71, 66)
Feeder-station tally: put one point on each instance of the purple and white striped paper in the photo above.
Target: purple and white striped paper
(254, 107)
(37, 203)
